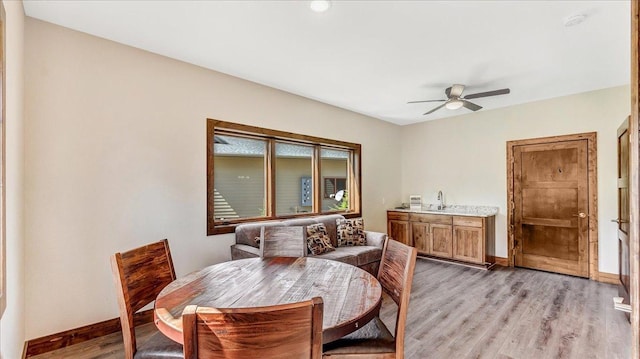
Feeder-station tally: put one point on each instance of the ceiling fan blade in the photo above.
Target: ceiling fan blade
(434, 110)
(455, 90)
(488, 93)
(426, 101)
(470, 105)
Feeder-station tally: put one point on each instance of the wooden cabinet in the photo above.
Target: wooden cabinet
(398, 227)
(431, 234)
(441, 240)
(460, 238)
(468, 239)
(420, 236)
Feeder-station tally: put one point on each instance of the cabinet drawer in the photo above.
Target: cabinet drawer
(398, 216)
(430, 218)
(467, 221)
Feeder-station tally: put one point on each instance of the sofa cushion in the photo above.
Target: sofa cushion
(351, 232)
(340, 256)
(318, 241)
(364, 254)
(303, 222)
(247, 233)
(329, 222)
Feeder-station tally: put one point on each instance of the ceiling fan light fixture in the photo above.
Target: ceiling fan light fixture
(320, 5)
(454, 104)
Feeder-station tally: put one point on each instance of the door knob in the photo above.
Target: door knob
(619, 220)
(581, 215)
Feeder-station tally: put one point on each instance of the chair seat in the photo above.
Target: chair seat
(373, 338)
(159, 346)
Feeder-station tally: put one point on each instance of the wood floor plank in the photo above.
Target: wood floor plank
(460, 312)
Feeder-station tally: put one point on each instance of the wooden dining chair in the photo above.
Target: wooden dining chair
(140, 274)
(282, 242)
(282, 331)
(374, 340)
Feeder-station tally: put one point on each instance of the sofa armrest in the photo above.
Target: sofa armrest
(375, 239)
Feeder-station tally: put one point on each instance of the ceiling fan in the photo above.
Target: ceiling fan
(455, 100)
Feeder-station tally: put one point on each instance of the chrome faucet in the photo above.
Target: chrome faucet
(441, 200)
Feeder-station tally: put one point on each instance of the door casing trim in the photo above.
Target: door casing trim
(592, 192)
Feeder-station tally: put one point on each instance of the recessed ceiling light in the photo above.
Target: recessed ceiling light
(574, 20)
(320, 5)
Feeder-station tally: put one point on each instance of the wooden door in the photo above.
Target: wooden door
(551, 225)
(440, 238)
(467, 244)
(420, 235)
(399, 230)
(634, 180)
(623, 210)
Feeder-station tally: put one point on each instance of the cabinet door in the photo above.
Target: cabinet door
(467, 244)
(399, 230)
(420, 235)
(440, 238)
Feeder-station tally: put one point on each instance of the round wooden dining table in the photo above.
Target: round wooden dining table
(351, 296)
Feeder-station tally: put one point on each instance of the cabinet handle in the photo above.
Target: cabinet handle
(581, 215)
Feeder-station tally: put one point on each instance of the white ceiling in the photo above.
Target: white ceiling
(372, 57)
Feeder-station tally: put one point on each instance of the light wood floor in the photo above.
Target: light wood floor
(459, 312)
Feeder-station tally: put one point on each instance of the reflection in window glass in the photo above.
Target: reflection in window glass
(239, 177)
(334, 185)
(334, 165)
(293, 179)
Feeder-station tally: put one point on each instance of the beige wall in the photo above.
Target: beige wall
(465, 156)
(116, 159)
(12, 327)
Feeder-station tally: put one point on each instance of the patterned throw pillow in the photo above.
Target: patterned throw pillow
(351, 232)
(318, 240)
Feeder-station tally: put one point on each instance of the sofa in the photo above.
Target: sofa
(366, 257)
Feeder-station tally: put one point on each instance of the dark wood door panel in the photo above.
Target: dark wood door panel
(552, 203)
(624, 268)
(555, 265)
(550, 163)
(555, 242)
(551, 206)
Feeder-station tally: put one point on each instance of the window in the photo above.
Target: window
(257, 174)
(239, 178)
(294, 169)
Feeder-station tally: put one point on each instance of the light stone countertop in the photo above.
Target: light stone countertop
(454, 210)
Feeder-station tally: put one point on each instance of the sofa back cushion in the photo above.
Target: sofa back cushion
(329, 222)
(318, 241)
(351, 232)
(248, 232)
(302, 222)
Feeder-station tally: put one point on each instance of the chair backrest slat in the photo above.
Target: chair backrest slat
(281, 331)
(396, 275)
(140, 274)
(282, 242)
